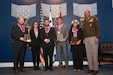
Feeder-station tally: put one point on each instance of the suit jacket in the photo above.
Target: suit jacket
(16, 33)
(35, 41)
(65, 32)
(79, 34)
(51, 35)
(81, 46)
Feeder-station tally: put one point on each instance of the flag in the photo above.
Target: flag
(60, 13)
(50, 18)
(41, 57)
(51, 24)
(41, 15)
(78, 9)
(41, 25)
(25, 11)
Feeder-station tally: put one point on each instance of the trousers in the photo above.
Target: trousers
(92, 52)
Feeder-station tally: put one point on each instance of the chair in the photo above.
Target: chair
(106, 52)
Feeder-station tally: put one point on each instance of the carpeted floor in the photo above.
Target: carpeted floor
(103, 70)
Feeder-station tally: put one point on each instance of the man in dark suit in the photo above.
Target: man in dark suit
(48, 36)
(19, 44)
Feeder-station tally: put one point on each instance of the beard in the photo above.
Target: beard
(21, 23)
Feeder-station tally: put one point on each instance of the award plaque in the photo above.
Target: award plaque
(74, 39)
(27, 36)
(59, 36)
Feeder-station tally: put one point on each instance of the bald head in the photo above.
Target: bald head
(21, 21)
(86, 13)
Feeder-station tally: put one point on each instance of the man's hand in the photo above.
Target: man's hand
(62, 40)
(47, 41)
(96, 40)
(22, 39)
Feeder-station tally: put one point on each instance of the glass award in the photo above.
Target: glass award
(59, 36)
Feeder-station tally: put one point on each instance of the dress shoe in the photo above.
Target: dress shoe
(23, 70)
(94, 72)
(35, 68)
(66, 68)
(38, 68)
(60, 67)
(89, 71)
(51, 69)
(75, 69)
(16, 72)
(78, 70)
(45, 69)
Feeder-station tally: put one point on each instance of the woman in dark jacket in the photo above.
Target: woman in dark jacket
(35, 45)
(76, 42)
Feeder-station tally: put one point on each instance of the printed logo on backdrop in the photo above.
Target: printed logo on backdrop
(54, 9)
(25, 11)
(78, 9)
(112, 3)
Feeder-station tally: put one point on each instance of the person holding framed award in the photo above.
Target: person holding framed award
(76, 42)
(19, 45)
(35, 44)
(62, 36)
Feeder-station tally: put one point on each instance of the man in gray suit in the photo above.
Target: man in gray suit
(62, 35)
